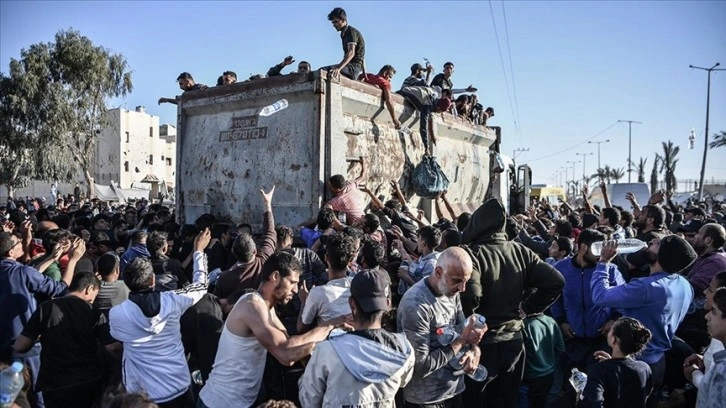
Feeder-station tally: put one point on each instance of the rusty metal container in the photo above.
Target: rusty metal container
(226, 151)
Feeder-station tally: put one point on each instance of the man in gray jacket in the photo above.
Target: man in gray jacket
(365, 367)
(429, 305)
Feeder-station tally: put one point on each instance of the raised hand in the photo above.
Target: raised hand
(267, 198)
(202, 240)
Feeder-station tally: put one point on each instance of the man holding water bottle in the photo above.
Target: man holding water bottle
(428, 306)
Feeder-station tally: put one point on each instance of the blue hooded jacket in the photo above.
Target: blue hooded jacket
(575, 307)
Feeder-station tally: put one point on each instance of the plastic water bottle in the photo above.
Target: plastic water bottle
(336, 332)
(578, 379)
(11, 382)
(478, 321)
(274, 108)
(446, 335)
(625, 246)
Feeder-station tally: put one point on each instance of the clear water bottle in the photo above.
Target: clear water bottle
(336, 332)
(625, 246)
(11, 382)
(274, 108)
(478, 321)
(578, 379)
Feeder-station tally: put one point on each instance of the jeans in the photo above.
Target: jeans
(349, 71)
(533, 392)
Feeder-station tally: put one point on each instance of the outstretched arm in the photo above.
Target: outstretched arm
(387, 99)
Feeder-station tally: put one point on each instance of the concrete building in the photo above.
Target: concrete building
(132, 146)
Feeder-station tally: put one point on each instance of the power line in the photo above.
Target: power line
(504, 72)
(574, 146)
(511, 68)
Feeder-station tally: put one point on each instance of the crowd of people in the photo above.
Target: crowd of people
(428, 95)
(354, 309)
(370, 304)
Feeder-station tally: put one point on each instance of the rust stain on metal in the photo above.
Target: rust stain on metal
(248, 174)
(295, 167)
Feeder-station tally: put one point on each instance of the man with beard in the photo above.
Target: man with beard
(253, 328)
(430, 304)
(660, 301)
(584, 325)
(708, 244)
(651, 225)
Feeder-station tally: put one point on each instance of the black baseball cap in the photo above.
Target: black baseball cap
(371, 289)
(691, 226)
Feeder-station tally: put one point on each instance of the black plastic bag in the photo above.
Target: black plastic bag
(428, 179)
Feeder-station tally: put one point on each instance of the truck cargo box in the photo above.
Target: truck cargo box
(226, 151)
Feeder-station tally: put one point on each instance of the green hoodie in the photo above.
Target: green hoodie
(504, 272)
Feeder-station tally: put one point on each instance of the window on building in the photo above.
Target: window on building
(162, 158)
(151, 131)
(151, 159)
(128, 137)
(168, 161)
(126, 166)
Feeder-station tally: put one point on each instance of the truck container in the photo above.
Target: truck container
(227, 152)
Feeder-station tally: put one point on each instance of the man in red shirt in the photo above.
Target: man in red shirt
(383, 81)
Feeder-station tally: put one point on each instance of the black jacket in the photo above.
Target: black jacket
(505, 273)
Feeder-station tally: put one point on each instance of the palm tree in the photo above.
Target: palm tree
(719, 140)
(617, 174)
(607, 172)
(668, 164)
(654, 175)
(640, 166)
(600, 175)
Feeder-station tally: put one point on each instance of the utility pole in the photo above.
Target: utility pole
(705, 136)
(514, 153)
(630, 144)
(598, 150)
(584, 160)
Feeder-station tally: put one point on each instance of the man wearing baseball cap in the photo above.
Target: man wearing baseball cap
(417, 78)
(366, 365)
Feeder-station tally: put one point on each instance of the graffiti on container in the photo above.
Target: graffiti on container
(243, 128)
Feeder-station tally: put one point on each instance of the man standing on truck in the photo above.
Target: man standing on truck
(186, 83)
(383, 81)
(354, 47)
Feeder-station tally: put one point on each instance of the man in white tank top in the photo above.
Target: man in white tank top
(253, 328)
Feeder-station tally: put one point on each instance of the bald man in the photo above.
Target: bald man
(429, 304)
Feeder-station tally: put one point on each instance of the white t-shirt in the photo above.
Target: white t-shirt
(328, 301)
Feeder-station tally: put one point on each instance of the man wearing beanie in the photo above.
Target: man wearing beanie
(365, 366)
(660, 301)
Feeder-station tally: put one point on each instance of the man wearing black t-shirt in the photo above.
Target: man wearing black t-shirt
(69, 329)
(354, 47)
(443, 80)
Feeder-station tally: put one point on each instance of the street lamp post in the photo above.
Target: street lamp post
(584, 160)
(598, 150)
(630, 144)
(705, 136)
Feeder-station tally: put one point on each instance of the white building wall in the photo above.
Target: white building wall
(130, 146)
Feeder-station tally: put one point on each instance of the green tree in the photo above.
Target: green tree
(654, 175)
(617, 174)
(58, 101)
(640, 167)
(719, 140)
(668, 164)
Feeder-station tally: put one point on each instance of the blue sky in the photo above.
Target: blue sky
(577, 67)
